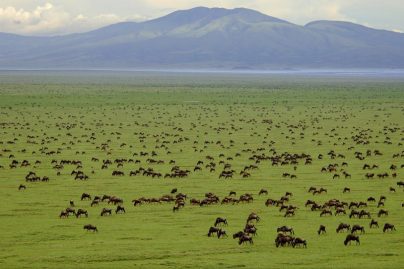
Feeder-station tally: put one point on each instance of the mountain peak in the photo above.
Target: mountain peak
(209, 14)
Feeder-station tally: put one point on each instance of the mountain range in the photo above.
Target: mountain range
(214, 38)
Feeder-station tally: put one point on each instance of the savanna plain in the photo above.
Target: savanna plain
(177, 151)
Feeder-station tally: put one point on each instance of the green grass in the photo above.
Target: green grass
(207, 108)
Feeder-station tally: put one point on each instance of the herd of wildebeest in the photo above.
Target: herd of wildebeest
(152, 162)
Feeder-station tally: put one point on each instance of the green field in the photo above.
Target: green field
(185, 118)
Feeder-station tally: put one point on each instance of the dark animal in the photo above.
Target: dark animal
(299, 242)
(388, 227)
(356, 228)
(351, 237)
(106, 211)
(120, 209)
(343, 226)
(220, 220)
(321, 230)
(90, 227)
(373, 223)
(85, 196)
(81, 212)
(244, 239)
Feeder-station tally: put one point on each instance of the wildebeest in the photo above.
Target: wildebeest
(356, 228)
(343, 226)
(81, 212)
(388, 227)
(382, 212)
(106, 211)
(373, 223)
(285, 229)
(90, 227)
(220, 220)
(253, 216)
(63, 214)
(299, 242)
(70, 211)
(263, 191)
(244, 239)
(21, 187)
(120, 209)
(283, 240)
(351, 237)
(212, 230)
(85, 196)
(221, 233)
(325, 212)
(321, 230)
(250, 230)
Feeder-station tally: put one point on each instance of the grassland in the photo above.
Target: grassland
(188, 114)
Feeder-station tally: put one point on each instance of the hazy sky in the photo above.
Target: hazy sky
(49, 17)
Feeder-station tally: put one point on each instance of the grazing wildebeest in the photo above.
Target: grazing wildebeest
(321, 230)
(63, 214)
(90, 227)
(106, 211)
(343, 226)
(354, 213)
(71, 203)
(263, 191)
(120, 209)
(380, 204)
(174, 190)
(81, 212)
(70, 211)
(364, 213)
(311, 189)
(356, 228)
(346, 189)
(253, 216)
(289, 213)
(299, 242)
(325, 212)
(220, 220)
(382, 212)
(85, 196)
(388, 227)
(371, 199)
(285, 229)
(340, 211)
(373, 223)
(238, 234)
(250, 230)
(221, 233)
(136, 202)
(283, 240)
(213, 230)
(351, 237)
(21, 187)
(244, 239)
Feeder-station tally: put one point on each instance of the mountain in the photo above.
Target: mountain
(210, 38)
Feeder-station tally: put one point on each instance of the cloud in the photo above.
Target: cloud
(49, 19)
(42, 18)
